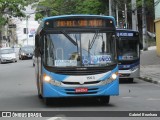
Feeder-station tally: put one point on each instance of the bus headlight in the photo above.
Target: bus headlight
(111, 79)
(134, 68)
(48, 79)
(113, 76)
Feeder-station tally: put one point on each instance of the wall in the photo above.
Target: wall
(157, 25)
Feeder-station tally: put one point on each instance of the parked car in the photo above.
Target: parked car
(7, 54)
(16, 50)
(26, 52)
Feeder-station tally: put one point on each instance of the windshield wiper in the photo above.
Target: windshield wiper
(70, 39)
(93, 40)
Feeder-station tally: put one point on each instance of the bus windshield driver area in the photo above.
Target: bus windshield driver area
(128, 49)
(89, 49)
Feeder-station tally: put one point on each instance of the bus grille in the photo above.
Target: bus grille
(78, 83)
(80, 72)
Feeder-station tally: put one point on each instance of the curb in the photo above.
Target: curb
(147, 79)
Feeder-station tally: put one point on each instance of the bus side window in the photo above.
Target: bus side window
(37, 45)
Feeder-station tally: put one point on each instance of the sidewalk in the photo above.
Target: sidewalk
(150, 66)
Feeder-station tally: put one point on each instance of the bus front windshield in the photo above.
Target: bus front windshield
(80, 49)
(128, 49)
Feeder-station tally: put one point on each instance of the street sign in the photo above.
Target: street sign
(12, 26)
(30, 35)
(32, 31)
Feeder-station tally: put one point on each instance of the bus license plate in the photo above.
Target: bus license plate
(81, 90)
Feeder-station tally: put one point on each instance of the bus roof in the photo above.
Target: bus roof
(41, 26)
(77, 15)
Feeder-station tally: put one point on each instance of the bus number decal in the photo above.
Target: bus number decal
(125, 34)
(90, 77)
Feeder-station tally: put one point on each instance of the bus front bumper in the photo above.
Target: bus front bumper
(129, 73)
(52, 91)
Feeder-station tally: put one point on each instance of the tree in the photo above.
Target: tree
(9, 8)
(13, 8)
(89, 7)
(61, 7)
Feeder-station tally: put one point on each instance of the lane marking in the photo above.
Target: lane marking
(154, 99)
(127, 97)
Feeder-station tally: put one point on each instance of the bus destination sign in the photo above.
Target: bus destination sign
(61, 23)
(80, 23)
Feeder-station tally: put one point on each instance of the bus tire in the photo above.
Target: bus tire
(130, 80)
(39, 95)
(38, 89)
(47, 101)
(105, 100)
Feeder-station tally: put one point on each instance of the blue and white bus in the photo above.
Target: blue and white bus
(128, 53)
(76, 56)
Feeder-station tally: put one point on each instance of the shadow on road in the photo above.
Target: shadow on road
(76, 102)
(126, 81)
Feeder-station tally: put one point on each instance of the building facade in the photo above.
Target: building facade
(157, 24)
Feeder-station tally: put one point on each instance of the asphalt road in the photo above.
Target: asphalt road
(18, 93)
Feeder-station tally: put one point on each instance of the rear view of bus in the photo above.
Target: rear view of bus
(76, 57)
(128, 54)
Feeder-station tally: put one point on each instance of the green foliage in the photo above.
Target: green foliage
(2, 20)
(61, 7)
(89, 7)
(149, 7)
(12, 8)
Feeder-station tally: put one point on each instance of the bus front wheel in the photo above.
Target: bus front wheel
(130, 80)
(104, 100)
(47, 101)
(39, 89)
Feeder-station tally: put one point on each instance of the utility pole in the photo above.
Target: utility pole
(117, 18)
(27, 28)
(134, 16)
(126, 23)
(110, 7)
(144, 27)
